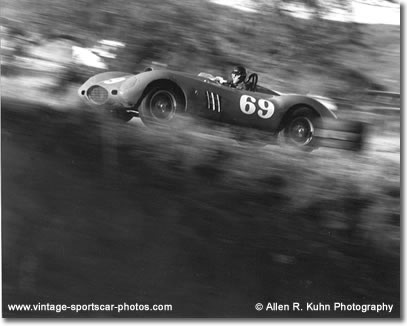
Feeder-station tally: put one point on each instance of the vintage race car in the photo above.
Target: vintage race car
(158, 97)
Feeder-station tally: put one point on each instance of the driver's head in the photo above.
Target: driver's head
(238, 75)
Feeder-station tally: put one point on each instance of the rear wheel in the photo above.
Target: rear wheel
(161, 106)
(300, 128)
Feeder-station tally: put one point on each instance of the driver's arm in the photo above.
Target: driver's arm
(220, 80)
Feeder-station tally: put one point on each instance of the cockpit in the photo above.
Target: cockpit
(250, 84)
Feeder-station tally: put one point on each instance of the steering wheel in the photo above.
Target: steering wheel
(251, 82)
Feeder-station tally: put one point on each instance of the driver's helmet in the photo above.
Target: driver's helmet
(238, 75)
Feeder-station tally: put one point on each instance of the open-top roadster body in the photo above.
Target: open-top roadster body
(158, 97)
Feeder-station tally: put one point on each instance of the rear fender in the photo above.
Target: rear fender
(294, 102)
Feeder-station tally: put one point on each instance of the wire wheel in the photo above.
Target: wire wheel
(301, 131)
(163, 105)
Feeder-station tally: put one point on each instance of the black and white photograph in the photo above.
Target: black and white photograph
(201, 159)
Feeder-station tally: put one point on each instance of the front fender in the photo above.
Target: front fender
(110, 83)
(131, 91)
(119, 89)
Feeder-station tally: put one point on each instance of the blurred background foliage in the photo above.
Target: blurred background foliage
(291, 54)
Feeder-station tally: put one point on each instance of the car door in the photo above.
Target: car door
(214, 101)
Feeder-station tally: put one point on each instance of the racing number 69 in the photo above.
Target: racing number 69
(248, 106)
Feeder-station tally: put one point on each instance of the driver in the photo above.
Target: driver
(237, 78)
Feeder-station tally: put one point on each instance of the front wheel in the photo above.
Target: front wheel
(300, 129)
(160, 107)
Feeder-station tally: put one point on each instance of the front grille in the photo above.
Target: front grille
(97, 94)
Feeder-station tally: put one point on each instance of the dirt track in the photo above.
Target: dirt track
(210, 229)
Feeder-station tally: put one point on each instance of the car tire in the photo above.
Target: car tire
(300, 129)
(161, 106)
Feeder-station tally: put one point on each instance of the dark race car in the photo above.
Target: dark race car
(158, 97)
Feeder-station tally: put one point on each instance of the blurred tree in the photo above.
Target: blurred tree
(200, 35)
(309, 33)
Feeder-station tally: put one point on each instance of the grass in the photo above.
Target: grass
(100, 212)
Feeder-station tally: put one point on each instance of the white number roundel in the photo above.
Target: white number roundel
(266, 109)
(247, 104)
